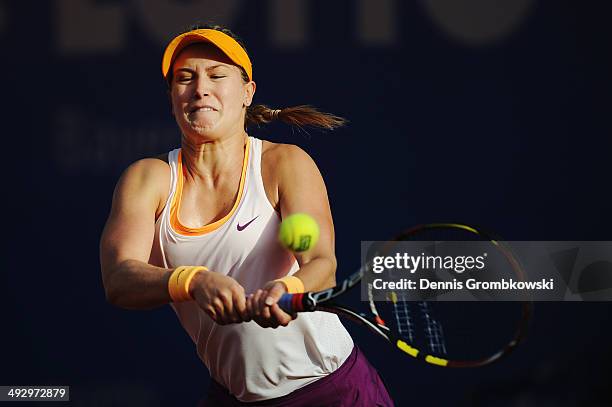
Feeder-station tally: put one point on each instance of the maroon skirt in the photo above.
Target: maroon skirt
(356, 383)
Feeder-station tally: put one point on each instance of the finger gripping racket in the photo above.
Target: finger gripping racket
(448, 334)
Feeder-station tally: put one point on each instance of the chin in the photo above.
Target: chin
(202, 129)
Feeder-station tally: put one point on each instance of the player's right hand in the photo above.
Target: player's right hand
(220, 296)
(263, 308)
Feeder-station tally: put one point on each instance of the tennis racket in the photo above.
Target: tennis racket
(447, 334)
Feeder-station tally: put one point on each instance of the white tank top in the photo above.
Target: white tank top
(252, 362)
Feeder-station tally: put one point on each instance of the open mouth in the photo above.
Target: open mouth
(202, 109)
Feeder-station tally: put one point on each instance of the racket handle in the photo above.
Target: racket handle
(292, 303)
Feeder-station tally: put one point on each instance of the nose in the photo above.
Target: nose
(202, 87)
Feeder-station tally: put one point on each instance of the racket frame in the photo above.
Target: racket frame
(325, 301)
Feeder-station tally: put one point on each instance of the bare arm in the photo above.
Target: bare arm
(125, 246)
(129, 281)
(300, 189)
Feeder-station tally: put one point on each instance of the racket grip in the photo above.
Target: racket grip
(292, 303)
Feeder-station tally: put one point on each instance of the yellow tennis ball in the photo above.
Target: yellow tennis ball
(299, 232)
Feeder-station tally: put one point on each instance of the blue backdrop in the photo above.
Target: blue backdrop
(489, 113)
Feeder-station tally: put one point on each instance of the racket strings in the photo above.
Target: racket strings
(405, 323)
(433, 330)
(403, 319)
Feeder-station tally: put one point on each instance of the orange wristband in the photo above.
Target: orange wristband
(178, 284)
(294, 285)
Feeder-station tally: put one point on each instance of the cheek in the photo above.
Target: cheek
(179, 100)
(233, 98)
(232, 93)
(180, 95)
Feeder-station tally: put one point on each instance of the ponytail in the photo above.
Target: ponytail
(299, 116)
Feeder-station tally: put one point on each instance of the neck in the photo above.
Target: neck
(211, 159)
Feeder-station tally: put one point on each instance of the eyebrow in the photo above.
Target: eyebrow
(210, 68)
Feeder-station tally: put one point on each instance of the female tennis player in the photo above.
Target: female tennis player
(197, 229)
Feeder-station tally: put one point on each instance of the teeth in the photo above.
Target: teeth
(205, 109)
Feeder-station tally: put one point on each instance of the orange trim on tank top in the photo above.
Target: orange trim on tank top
(176, 200)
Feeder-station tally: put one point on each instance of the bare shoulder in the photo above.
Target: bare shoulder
(147, 177)
(278, 161)
(282, 155)
(148, 170)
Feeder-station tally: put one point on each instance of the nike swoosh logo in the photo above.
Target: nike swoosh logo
(241, 228)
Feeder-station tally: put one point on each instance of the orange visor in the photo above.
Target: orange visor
(224, 42)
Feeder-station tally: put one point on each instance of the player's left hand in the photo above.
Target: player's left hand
(263, 308)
